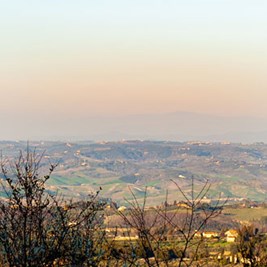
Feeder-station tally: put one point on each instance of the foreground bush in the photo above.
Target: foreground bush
(38, 228)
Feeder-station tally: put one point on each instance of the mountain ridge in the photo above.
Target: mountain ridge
(175, 126)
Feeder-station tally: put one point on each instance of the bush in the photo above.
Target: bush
(38, 228)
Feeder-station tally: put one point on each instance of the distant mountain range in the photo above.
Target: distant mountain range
(179, 126)
(182, 126)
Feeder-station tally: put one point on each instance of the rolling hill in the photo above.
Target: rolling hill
(234, 170)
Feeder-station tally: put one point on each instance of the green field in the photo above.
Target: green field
(245, 214)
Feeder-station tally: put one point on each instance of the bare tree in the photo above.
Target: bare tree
(195, 220)
(155, 226)
(38, 228)
(144, 223)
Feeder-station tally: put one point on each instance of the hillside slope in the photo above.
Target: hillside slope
(234, 170)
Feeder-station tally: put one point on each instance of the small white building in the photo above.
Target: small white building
(231, 235)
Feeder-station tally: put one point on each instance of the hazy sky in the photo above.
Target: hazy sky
(61, 58)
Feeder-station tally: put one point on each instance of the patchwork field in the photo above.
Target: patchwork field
(235, 171)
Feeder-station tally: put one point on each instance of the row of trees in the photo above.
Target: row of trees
(40, 228)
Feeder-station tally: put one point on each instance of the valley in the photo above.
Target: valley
(235, 171)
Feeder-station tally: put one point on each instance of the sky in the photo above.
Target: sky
(65, 59)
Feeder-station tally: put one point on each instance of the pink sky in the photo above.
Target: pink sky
(104, 57)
